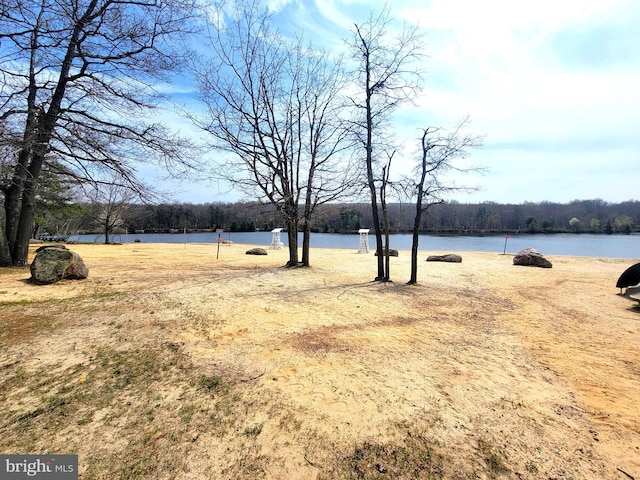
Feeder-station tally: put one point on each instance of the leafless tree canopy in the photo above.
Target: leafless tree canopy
(77, 88)
(274, 106)
(108, 203)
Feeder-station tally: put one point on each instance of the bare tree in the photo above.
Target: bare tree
(274, 106)
(389, 74)
(439, 150)
(78, 78)
(108, 202)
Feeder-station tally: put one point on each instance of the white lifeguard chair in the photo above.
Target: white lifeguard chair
(364, 240)
(276, 244)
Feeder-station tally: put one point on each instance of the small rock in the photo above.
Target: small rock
(256, 251)
(449, 257)
(392, 253)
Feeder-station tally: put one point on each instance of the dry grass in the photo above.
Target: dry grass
(168, 363)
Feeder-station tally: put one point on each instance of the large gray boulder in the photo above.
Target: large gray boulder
(449, 257)
(532, 258)
(54, 263)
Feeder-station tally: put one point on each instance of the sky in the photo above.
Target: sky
(553, 86)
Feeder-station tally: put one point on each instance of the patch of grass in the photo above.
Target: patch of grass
(86, 418)
(411, 457)
(531, 467)
(187, 412)
(105, 295)
(27, 318)
(24, 303)
(249, 465)
(150, 399)
(32, 414)
(493, 458)
(56, 401)
(147, 456)
(12, 375)
(12, 270)
(289, 422)
(109, 373)
(212, 383)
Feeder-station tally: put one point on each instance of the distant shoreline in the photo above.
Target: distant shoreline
(583, 245)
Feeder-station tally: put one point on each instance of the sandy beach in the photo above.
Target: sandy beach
(168, 362)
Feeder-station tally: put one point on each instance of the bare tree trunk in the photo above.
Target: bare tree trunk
(24, 228)
(387, 254)
(5, 253)
(107, 230)
(372, 187)
(308, 211)
(378, 233)
(12, 216)
(414, 240)
(385, 216)
(13, 199)
(14, 195)
(20, 249)
(418, 217)
(292, 235)
(306, 241)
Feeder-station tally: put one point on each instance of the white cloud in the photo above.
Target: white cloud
(552, 84)
(498, 62)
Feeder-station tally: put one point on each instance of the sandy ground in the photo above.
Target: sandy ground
(503, 371)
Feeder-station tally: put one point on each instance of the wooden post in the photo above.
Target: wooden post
(219, 240)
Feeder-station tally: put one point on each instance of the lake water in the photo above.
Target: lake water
(586, 245)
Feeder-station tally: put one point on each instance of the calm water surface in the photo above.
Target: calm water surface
(586, 245)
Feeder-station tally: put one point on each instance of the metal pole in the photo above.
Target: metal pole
(506, 237)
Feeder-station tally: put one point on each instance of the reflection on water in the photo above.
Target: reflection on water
(587, 245)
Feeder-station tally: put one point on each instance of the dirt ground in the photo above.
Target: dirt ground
(168, 362)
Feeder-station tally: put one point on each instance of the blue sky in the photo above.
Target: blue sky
(553, 85)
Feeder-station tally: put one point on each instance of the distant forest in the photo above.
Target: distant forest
(589, 216)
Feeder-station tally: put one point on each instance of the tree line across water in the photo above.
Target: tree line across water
(580, 216)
